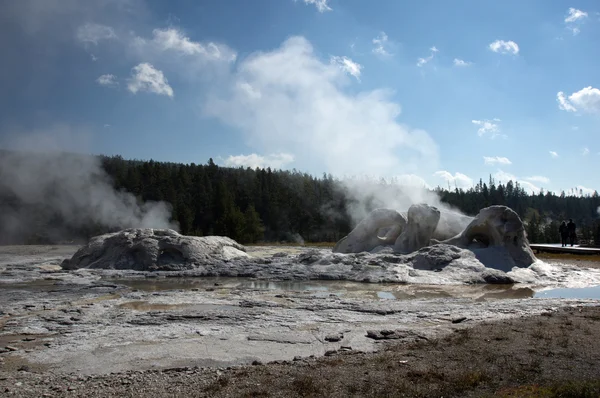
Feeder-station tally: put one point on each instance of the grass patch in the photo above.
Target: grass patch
(217, 385)
(306, 386)
(568, 389)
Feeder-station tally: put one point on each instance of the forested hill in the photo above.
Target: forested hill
(252, 205)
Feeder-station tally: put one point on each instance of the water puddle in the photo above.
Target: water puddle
(571, 293)
(38, 285)
(164, 284)
(339, 288)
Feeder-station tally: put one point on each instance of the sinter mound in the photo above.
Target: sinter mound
(153, 250)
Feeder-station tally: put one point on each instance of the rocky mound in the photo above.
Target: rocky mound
(496, 235)
(154, 250)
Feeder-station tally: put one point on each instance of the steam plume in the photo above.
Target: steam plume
(369, 194)
(71, 189)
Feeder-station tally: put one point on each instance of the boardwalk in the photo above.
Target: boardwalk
(557, 248)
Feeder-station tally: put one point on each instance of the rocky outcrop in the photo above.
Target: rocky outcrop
(497, 237)
(422, 222)
(153, 250)
(381, 227)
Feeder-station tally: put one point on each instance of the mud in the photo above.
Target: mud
(89, 322)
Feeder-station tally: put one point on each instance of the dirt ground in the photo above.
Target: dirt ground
(552, 355)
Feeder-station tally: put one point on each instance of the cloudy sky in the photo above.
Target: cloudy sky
(434, 92)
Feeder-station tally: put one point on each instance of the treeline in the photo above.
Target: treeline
(245, 204)
(253, 205)
(542, 213)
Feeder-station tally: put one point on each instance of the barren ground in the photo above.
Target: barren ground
(77, 335)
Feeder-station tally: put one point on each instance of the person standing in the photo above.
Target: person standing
(564, 233)
(571, 227)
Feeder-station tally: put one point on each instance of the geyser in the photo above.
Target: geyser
(386, 247)
(153, 250)
(496, 235)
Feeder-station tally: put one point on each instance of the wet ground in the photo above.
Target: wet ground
(97, 323)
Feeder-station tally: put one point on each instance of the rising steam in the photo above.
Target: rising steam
(71, 190)
(368, 194)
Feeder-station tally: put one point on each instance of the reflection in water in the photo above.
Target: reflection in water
(322, 288)
(571, 293)
(382, 291)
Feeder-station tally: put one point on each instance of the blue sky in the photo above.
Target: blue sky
(434, 92)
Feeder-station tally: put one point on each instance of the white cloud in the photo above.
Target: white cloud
(461, 62)
(493, 160)
(423, 61)
(575, 15)
(347, 65)
(529, 187)
(585, 151)
(553, 154)
(299, 106)
(574, 19)
(174, 40)
(146, 78)
(504, 177)
(584, 190)
(381, 44)
(274, 161)
(587, 99)
(504, 47)
(490, 127)
(563, 103)
(107, 80)
(457, 180)
(540, 179)
(321, 5)
(94, 33)
(177, 52)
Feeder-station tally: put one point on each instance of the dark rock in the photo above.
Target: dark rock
(497, 277)
(332, 338)
(459, 320)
